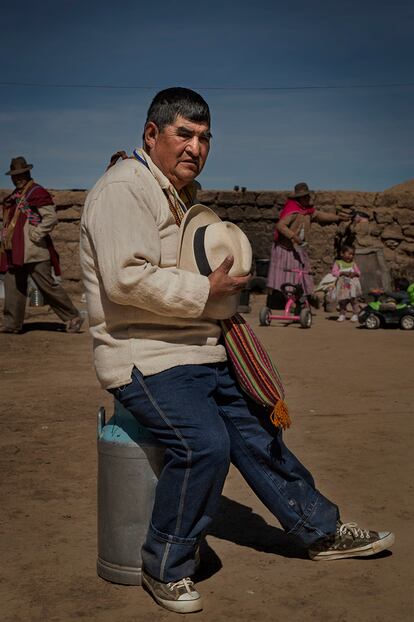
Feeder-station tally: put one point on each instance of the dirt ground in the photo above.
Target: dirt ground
(351, 398)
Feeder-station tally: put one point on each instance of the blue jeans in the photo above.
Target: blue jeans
(204, 422)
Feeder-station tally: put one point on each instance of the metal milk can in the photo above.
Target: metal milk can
(129, 461)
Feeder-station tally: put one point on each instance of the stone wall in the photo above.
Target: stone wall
(391, 225)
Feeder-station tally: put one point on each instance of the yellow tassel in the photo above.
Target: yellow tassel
(280, 415)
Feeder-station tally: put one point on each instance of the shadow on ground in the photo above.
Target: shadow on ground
(238, 523)
(54, 327)
(46, 326)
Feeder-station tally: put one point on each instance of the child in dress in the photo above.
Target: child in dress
(348, 286)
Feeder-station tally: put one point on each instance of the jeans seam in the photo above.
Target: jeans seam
(180, 513)
(157, 407)
(164, 560)
(256, 465)
(247, 453)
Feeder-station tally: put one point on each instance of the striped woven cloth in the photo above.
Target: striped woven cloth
(256, 374)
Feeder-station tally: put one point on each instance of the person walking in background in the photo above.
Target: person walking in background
(348, 286)
(289, 253)
(26, 249)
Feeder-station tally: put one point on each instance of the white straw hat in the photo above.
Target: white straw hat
(204, 242)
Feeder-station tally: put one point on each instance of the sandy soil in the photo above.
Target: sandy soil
(351, 397)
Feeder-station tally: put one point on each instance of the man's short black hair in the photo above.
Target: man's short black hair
(169, 103)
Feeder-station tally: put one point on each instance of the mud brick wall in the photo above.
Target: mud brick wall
(66, 236)
(391, 225)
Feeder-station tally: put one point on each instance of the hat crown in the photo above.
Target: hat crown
(301, 190)
(301, 187)
(218, 241)
(19, 165)
(204, 242)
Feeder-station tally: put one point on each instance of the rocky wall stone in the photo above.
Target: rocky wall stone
(72, 213)
(207, 197)
(236, 198)
(407, 247)
(404, 216)
(69, 260)
(384, 215)
(395, 199)
(266, 199)
(66, 232)
(408, 232)
(392, 232)
(325, 198)
(67, 198)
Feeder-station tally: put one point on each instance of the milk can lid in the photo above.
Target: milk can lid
(122, 427)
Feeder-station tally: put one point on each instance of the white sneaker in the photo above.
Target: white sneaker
(179, 596)
(341, 318)
(350, 540)
(354, 318)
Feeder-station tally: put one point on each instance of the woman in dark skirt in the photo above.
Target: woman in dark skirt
(290, 240)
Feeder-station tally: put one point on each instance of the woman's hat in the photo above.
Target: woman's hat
(301, 190)
(19, 165)
(204, 242)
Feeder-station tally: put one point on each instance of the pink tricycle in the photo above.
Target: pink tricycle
(297, 308)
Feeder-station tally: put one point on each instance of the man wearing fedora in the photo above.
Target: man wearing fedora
(26, 249)
(159, 275)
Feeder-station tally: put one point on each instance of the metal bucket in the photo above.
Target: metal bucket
(244, 300)
(35, 295)
(129, 461)
(262, 267)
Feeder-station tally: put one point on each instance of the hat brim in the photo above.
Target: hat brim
(18, 171)
(298, 195)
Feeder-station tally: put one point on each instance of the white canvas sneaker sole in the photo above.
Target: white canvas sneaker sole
(185, 604)
(385, 541)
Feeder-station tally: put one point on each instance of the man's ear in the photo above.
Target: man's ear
(151, 133)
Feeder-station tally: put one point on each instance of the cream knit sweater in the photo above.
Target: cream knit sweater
(143, 310)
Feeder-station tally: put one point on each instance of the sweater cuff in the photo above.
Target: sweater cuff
(197, 300)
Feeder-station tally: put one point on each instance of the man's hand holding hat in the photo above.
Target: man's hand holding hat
(221, 284)
(218, 250)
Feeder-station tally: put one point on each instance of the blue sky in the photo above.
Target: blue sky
(234, 54)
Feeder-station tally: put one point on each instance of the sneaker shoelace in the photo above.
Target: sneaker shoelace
(186, 583)
(354, 530)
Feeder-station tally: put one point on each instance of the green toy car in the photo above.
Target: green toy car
(379, 314)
